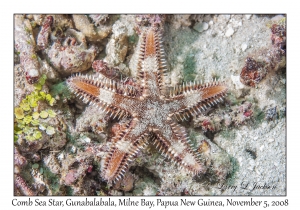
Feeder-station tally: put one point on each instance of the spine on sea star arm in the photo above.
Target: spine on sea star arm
(197, 97)
(152, 59)
(178, 149)
(121, 154)
(100, 92)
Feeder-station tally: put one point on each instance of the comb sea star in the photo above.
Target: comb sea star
(153, 113)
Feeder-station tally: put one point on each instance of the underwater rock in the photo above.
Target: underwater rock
(145, 187)
(21, 185)
(47, 69)
(71, 177)
(75, 167)
(51, 162)
(244, 46)
(237, 82)
(103, 68)
(99, 19)
(25, 46)
(200, 27)
(83, 24)
(90, 186)
(61, 22)
(272, 58)
(117, 46)
(19, 160)
(205, 123)
(43, 36)
(279, 36)
(22, 88)
(241, 113)
(253, 72)
(92, 118)
(72, 55)
(30, 147)
(54, 131)
(146, 20)
(181, 21)
(229, 32)
(38, 19)
(220, 166)
(271, 113)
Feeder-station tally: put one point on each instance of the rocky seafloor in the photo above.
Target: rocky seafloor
(60, 142)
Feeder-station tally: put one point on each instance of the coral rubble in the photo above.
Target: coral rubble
(25, 46)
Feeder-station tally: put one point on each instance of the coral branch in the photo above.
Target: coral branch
(43, 36)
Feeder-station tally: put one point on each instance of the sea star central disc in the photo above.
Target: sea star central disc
(150, 111)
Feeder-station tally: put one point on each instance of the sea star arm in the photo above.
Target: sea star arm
(178, 148)
(126, 144)
(151, 64)
(107, 94)
(195, 98)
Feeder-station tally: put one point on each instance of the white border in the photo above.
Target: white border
(154, 6)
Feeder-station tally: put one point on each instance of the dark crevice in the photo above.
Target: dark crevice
(252, 153)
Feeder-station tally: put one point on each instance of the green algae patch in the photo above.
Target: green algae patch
(28, 113)
(189, 71)
(60, 89)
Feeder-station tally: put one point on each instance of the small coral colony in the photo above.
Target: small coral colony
(146, 111)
